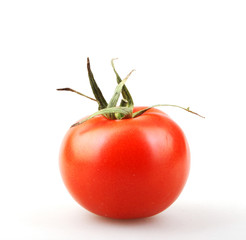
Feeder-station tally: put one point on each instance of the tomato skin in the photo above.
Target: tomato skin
(124, 169)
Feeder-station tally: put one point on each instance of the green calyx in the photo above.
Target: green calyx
(111, 110)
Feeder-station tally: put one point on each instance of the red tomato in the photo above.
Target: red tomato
(128, 168)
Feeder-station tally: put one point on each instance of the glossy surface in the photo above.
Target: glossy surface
(128, 168)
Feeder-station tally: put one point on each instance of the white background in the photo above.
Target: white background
(191, 53)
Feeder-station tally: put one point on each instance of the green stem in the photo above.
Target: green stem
(118, 90)
(136, 114)
(96, 90)
(125, 92)
(124, 111)
(71, 90)
(115, 98)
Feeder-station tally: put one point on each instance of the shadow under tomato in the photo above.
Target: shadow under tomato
(194, 221)
(124, 222)
(187, 218)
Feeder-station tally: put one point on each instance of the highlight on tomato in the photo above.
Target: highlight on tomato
(124, 161)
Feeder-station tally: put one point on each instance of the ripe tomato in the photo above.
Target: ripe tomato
(127, 168)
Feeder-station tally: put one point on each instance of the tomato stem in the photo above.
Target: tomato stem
(125, 92)
(96, 90)
(71, 90)
(110, 110)
(136, 114)
(115, 98)
(124, 111)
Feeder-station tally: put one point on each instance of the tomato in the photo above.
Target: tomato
(128, 168)
(124, 161)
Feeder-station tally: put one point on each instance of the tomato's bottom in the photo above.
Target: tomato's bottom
(127, 208)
